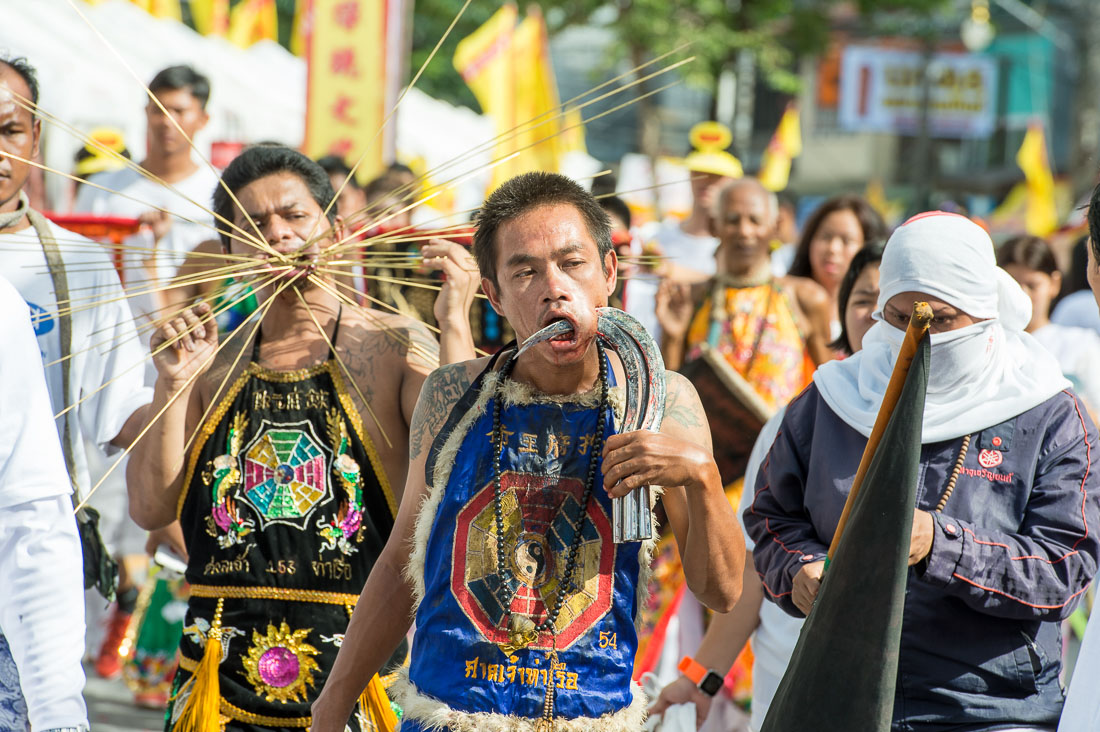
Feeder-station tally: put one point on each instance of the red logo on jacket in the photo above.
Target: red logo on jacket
(990, 458)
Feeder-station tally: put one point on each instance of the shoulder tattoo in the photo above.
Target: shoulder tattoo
(679, 406)
(442, 389)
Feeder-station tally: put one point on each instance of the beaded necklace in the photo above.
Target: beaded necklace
(522, 631)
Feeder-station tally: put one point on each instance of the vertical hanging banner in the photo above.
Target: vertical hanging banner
(355, 53)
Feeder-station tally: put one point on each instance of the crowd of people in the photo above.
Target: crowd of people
(360, 521)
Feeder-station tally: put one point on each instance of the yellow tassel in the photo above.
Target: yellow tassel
(376, 706)
(202, 713)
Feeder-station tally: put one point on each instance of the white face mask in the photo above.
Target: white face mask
(959, 357)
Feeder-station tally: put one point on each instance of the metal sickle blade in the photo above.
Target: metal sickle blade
(555, 329)
(645, 403)
(644, 366)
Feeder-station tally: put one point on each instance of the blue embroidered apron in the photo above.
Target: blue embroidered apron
(456, 658)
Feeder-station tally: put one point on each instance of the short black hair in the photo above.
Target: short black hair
(182, 77)
(526, 192)
(21, 66)
(616, 207)
(260, 161)
(335, 165)
(870, 223)
(1028, 251)
(870, 254)
(1094, 223)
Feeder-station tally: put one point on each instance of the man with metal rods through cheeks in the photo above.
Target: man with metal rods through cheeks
(524, 605)
(285, 496)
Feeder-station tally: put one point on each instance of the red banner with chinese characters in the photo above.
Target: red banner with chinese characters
(354, 56)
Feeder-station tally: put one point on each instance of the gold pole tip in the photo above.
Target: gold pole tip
(922, 315)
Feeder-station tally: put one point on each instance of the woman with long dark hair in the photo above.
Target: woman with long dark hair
(833, 234)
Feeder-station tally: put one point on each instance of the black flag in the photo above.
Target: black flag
(843, 672)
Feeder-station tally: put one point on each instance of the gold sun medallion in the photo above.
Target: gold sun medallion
(280, 665)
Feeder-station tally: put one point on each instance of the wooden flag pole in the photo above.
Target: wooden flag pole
(919, 322)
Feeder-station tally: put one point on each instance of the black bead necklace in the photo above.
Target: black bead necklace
(567, 581)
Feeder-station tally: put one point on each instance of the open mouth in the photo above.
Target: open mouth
(566, 339)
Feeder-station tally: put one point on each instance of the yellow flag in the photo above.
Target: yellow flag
(484, 59)
(211, 17)
(1042, 213)
(253, 20)
(161, 8)
(785, 146)
(507, 66)
(299, 32)
(536, 94)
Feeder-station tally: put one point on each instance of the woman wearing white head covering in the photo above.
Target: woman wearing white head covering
(1001, 547)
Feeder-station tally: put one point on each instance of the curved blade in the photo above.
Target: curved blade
(645, 368)
(555, 329)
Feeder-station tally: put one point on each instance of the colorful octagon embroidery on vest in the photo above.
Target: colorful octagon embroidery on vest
(540, 515)
(284, 473)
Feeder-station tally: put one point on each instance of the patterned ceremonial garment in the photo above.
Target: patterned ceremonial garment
(463, 675)
(759, 337)
(285, 509)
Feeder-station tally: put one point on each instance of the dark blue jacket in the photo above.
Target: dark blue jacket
(1014, 549)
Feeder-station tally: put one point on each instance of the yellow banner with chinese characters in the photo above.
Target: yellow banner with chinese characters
(346, 98)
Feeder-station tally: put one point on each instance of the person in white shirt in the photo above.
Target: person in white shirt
(1031, 263)
(177, 216)
(1081, 712)
(688, 246)
(41, 614)
(94, 361)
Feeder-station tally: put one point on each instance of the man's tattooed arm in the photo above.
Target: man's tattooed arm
(443, 388)
(681, 405)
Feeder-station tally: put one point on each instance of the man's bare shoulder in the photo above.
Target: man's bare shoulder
(812, 297)
(684, 415)
(438, 397)
(383, 333)
(233, 357)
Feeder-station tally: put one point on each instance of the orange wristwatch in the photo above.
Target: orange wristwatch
(708, 680)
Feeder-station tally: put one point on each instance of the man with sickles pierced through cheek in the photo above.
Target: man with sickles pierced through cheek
(87, 349)
(288, 493)
(524, 605)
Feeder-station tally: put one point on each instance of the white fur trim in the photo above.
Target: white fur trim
(444, 464)
(437, 716)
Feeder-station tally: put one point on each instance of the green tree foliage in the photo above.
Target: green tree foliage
(778, 32)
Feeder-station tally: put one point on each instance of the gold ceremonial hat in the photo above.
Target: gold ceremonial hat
(710, 140)
(93, 159)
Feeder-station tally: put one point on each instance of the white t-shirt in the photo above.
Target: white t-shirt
(774, 639)
(41, 613)
(1082, 710)
(191, 223)
(1078, 353)
(1079, 310)
(686, 250)
(105, 346)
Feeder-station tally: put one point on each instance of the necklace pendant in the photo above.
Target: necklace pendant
(521, 633)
